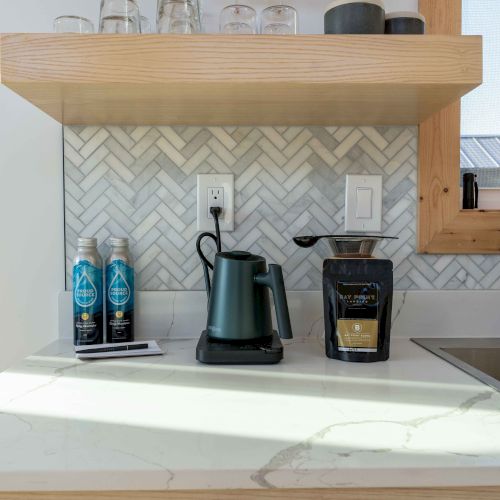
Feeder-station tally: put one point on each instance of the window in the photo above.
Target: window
(480, 145)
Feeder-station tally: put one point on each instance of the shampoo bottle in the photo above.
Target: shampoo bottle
(119, 293)
(87, 294)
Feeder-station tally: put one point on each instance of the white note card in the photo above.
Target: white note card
(121, 350)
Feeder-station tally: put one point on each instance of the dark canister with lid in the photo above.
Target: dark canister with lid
(470, 192)
(404, 23)
(355, 17)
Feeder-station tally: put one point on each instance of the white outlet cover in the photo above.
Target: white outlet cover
(205, 182)
(363, 204)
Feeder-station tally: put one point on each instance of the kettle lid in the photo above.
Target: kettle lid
(241, 256)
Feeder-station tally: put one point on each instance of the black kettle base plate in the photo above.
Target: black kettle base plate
(269, 351)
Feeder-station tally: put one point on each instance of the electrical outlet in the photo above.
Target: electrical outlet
(215, 190)
(215, 198)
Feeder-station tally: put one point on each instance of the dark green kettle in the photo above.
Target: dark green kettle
(239, 308)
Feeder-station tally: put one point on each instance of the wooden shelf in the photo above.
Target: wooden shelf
(240, 80)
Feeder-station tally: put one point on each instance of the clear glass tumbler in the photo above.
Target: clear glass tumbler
(120, 16)
(73, 24)
(238, 20)
(179, 16)
(145, 25)
(279, 20)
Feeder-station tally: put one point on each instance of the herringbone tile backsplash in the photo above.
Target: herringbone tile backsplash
(140, 182)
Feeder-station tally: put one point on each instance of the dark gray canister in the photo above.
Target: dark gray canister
(404, 23)
(239, 306)
(355, 17)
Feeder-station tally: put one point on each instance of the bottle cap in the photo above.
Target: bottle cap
(87, 242)
(118, 242)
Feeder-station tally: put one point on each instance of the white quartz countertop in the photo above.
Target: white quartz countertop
(169, 422)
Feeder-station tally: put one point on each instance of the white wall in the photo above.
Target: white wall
(31, 225)
(31, 210)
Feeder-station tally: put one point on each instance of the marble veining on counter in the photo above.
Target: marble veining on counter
(170, 423)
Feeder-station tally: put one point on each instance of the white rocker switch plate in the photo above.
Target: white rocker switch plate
(363, 204)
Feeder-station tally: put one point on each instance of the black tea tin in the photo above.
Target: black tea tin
(404, 23)
(355, 17)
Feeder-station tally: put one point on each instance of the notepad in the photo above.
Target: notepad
(120, 350)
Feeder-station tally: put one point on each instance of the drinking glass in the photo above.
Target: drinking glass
(145, 25)
(120, 16)
(73, 24)
(238, 20)
(179, 16)
(279, 20)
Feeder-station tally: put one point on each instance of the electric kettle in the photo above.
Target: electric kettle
(239, 308)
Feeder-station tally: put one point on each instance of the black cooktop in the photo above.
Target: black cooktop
(479, 357)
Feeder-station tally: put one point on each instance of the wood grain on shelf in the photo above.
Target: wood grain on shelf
(252, 80)
(479, 493)
(442, 226)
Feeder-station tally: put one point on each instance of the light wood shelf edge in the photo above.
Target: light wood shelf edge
(332, 59)
(246, 80)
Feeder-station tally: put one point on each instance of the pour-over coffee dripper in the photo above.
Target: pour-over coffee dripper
(345, 245)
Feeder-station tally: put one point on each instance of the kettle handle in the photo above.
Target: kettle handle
(205, 262)
(274, 280)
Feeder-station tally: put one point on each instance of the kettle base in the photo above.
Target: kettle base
(267, 352)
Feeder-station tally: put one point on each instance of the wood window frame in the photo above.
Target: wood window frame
(443, 228)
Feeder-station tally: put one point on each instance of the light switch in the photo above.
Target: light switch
(363, 204)
(364, 200)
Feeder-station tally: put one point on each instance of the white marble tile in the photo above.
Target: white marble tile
(289, 181)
